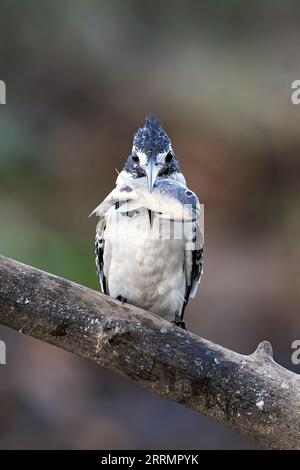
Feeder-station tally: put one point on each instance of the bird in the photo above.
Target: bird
(158, 274)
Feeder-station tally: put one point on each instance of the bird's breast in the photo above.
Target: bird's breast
(144, 260)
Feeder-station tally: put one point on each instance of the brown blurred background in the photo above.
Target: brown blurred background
(81, 76)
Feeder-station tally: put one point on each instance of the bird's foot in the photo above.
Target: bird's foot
(180, 323)
(122, 299)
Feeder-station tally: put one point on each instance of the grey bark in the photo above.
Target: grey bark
(250, 394)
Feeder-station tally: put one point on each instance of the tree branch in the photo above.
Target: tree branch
(250, 394)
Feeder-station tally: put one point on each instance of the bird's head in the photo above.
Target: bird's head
(152, 154)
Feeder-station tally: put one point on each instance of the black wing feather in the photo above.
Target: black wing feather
(99, 256)
(193, 277)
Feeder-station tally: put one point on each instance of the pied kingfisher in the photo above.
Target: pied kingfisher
(158, 274)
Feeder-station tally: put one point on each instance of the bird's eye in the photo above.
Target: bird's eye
(135, 158)
(169, 157)
(188, 193)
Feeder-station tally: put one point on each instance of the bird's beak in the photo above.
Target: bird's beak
(152, 169)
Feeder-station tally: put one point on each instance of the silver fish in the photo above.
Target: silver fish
(169, 198)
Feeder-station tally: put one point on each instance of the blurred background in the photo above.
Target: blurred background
(81, 77)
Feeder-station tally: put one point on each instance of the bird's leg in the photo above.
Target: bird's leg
(180, 323)
(122, 299)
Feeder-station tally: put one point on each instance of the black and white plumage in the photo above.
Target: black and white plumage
(149, 267)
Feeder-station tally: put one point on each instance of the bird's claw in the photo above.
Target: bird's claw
(122, 299)
(180, 323)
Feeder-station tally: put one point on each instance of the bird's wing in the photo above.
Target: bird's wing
(193, 262)
(99, 254)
